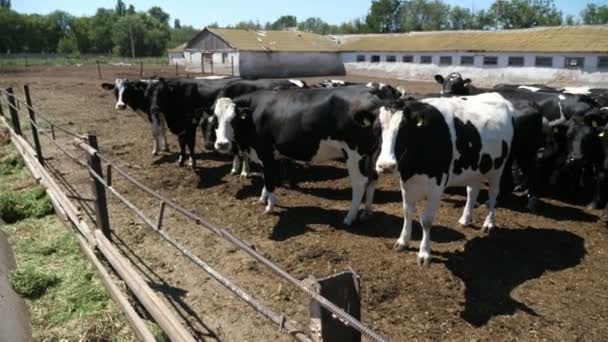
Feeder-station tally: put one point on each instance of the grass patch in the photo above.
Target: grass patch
(31, 283)
(19, 205)
(10, 161)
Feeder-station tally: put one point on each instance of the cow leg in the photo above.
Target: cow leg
(467, 214)
(182, 148)
(369, 200)
(163, 134)
(426, 221)
(268, 197)
(155, 126)
(358, 182)
(245, 169)
(409, 205)
(236, 164)
(191, 141)
(529, 168)
(494, 187)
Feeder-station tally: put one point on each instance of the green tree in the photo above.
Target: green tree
(425, 15)
(140, 35)
(160, 15)
(461, 19)
(121, 9)
(384, 16)
(569, 20)
(181, 35)
(284, 22)
(177, 24)
(245, 25)
(81, 31)
(515, 14)
(68, 45)
(5, 4)
(595, 14)
(100, 33)
(130, 10)
(316, 25)
(213, 25)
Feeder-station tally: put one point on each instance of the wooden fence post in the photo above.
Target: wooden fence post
(99, 191)
(12, 108)
(232, 64)
(176, 69)
(202, 63)
(211, 63)
(98, 69)
(342, 289)
(141, 68)
(32, 115)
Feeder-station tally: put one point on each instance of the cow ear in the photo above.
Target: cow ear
(364, 118)
(439, 79)
(467, 82)
(107, 86)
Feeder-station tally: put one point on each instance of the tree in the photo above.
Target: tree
(383, 16)
(140, 35)
(595, 15)
(5, 4)
(246, 25)
(515, 14)
(316, 25)
(121, 9)
(461, 19)
(181, 35)
(81, 32)
(177, 24)
(213, 25)
(130, 10)
(569, 20)
(68, 45)
(425, 15)
(160, 15)
(284, 22)
(100, 33)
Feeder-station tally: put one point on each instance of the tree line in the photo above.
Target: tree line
(127, 32)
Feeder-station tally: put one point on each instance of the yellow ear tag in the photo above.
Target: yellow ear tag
(366, 123)
(243, 115)
(420, 122)
(593, 124)
(555, 130)
(601, 135)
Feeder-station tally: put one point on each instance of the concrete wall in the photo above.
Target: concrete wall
(481, 74)
(177, 57)
(222, 65)
(290, 64)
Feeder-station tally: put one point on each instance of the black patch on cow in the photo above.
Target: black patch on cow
(503, 156)
(485, 164)
(468, 144)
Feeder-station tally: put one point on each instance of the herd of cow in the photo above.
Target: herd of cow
(546, 139)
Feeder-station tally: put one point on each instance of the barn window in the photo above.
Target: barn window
(490, 60)
(391, 58)
(543, 61)
(575, 62)
(426, 59)
(360, 58)
(467, 60)
(407, 59)
(224, 57)
(516, 61)
(602, 62)
(375, 59)
(445, 60)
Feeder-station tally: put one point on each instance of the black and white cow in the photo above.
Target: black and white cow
(436, 143)
(132, 94)
(309, 125)
(333, 84)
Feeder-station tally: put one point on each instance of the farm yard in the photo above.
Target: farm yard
(537, 277)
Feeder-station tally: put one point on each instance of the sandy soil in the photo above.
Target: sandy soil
(536, 278)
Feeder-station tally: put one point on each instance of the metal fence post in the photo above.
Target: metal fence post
(98, 69)
(211, 63)
(12, 108)
(32, 115)
(141, 68)
(232, 64)
(99, 191)
(202, 63)
(342, 289)
(176, 69)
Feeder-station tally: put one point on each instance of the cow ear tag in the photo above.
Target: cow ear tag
(366, 122)
(594, 124)
(601, 135)
(243, 115)
(555, 130)
(420, 122)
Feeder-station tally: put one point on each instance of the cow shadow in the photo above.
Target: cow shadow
(316, 173)
(294, 221)
(345, 194)
(491, 267)
(209, 177)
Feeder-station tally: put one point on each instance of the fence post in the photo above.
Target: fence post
(99, 191)
(211, 62)
(1, 109)
(141, 68)
(342, 289)
(232, 64)
(32, 115)
(12, 108)
(98, 69)
(202, 63)
(176, 69)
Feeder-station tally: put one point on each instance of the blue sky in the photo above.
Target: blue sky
(199, 13)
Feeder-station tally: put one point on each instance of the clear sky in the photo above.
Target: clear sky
(199, 13)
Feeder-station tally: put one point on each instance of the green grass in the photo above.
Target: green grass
(66, 300)
(19, 62)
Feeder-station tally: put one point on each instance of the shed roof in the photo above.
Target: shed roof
(179, 48)
(583, 38)
(250, 40)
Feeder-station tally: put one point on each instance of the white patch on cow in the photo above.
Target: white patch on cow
(214, 77)
(532, 89)
(329, 150)
(492, 116)
(120, 86)
(389, 121)
(604, 109)
(337, 82)
(148, 81)
(225, 111)
(298, 83)
(562, 118)
(577, 90)
(561, 97)
(375, 85)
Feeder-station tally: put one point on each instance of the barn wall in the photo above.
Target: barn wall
(483, 74)
(221, 64)
(290, 64)
(177, 58)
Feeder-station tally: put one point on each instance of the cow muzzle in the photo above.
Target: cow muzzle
(223, 146)
(386, 166)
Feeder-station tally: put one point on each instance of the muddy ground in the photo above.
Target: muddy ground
(536, 278)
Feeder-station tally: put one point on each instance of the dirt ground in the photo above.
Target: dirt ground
(536, 278)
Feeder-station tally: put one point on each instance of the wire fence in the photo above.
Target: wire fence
(96, 162)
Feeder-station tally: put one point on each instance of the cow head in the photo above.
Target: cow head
(230, 118)
(584, 140)
(454, 84)
(603, 136)
(208, 126)
(127, 92)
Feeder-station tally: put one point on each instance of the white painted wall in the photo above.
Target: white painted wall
(482, 74)
(177, 57)
(290, 64)
(192, 62)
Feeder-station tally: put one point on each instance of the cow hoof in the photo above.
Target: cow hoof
(244, 175)
(154, 153)
(424, 259)
(233, 172)
(399, 247)
(464, 222)
(593, 206)
(487, 228)
(267, 211)
(365, 215)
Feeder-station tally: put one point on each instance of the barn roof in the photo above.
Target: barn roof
(179, 48)
(295, 41)
(582, 38)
